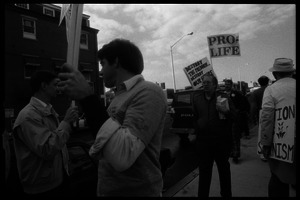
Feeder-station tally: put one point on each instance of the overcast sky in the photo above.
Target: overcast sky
(266, 32)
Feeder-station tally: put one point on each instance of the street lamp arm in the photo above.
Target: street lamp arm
(174, 82)
(177, 41)
(191, 33)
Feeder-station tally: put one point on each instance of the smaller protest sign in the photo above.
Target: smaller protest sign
(195, 72)
(283, 147)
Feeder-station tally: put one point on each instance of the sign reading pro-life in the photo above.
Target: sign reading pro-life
(195, 72)
(224, 45)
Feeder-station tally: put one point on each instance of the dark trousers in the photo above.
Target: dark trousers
(276, 188)
(209, 151)
(244, 123)
(236, 141)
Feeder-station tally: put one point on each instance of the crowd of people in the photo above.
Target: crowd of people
(128, 133)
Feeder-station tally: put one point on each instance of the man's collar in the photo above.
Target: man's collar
(42, 106)
(41, 102)
(128, 84)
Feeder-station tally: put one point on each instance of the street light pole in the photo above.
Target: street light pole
(174, 82)
(240, 78)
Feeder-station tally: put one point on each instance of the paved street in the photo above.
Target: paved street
(249, 178)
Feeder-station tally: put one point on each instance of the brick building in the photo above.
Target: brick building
(33, 41)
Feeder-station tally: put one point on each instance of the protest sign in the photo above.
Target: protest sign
(224, 45)
(73, 16)
(284, 133)
(195, 72)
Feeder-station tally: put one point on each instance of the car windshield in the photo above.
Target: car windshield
(182, 99)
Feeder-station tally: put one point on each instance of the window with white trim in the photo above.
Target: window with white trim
(29, 28)
(84, 41)
(49, 11)
(86, 22)
(22, 5)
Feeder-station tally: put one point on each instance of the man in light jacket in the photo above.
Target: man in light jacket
(280, 94)
(40, 140)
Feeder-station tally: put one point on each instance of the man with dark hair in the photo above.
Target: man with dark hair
(40, 140)
(128, 55)
(256, 98)
(279, 127)
(128, 143)
(240, 123)
(213, 114)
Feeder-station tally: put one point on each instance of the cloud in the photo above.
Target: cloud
(148, 16)
(98, 9)
(154, 28)
(142, 28)
(108, 28)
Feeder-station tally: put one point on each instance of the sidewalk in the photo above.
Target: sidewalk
(250, 177)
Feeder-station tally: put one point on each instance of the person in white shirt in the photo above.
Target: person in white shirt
(128, 143)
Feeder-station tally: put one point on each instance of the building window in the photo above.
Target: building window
(84, 41)
(86, 22)
(49, 11)
(29, 69)
(22, 5)
(29, 28)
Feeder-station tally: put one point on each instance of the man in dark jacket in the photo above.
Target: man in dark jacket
(256, 98)
(213, 122)
(241, 123)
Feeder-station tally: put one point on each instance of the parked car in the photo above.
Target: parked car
(183, 114)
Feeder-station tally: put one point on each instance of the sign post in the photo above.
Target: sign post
(73, 17)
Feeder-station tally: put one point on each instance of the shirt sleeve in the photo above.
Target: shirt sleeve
(106, 131)
(122, 149)
(267, 118)
(40, 139)
(116, 145)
